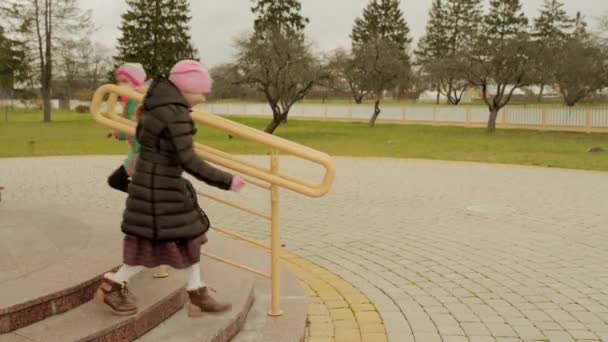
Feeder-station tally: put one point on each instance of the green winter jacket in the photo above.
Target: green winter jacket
(134, 147)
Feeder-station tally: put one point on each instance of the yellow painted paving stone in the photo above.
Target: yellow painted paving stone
(319, 319)
(324, 288)
(347, 324)
(318, 309)
(316, 300)
(321, 339)
(317, 270)
(356, 298)
(346, 289)
(372, 328)
(374, 337)
(336, 304)
(321, 329)
(329, 295)
(333, 301)
(365, 317)
(332, 278)
(362, 307)
(347, 335)
(328, 292)
(341, 314)
(319, 284)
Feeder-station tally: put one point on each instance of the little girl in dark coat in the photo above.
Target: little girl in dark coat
(163, 223)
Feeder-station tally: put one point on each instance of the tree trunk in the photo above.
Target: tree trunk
(540, 94)
(358, 99)
(48, 63)
(453, 97)
(492, 120)
(453, 101)
(372, 120)
(46, 103)
(272, 126)
(438, 100)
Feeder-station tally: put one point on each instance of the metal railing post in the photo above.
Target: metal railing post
(161, 272)
(275, 245)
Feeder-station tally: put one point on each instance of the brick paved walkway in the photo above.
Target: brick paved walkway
(445, 251)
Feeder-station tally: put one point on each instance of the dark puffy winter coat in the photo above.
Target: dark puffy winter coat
(162, 205)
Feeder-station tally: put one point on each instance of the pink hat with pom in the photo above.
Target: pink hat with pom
(190, 76)
(133, 71)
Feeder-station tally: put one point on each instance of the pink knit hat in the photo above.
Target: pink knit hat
(191, 77)
(133, 71)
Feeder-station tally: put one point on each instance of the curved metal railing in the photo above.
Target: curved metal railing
(268, 178)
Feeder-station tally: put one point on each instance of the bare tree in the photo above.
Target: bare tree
(42, 24)
(451, 28)
(346, 75)
(384, 67)
(380, 43)
(581, 69)
(98, 64)
(551, 28)
(503, 57)
(226, 83)
(282, 68)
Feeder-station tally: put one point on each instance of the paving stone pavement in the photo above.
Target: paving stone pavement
(446, 251)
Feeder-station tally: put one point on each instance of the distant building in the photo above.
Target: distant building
(431, 96)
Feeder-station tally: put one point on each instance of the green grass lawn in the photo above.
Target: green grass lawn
(390, 103)
(77, 134)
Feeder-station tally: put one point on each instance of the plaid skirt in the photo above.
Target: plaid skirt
(178, 254)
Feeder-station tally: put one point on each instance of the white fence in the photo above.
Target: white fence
(537, 117)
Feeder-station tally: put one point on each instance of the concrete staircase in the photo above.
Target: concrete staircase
(51, 262)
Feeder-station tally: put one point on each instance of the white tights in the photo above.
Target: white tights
(126, 272)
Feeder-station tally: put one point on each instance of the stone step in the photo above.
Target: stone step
(258, 326)
(52, 259)
(158, 300)
(51, 262)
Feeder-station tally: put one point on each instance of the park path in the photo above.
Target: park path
(446, 251)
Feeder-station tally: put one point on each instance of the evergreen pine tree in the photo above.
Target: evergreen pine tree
(463, 20)
(12, 62)
(283, 16)
(553, 23)
(502, 57)
(505, 20)
(452, 27)
(380, 42)
(382, 19)
(551, 29)
(434, 43)
(155, 34)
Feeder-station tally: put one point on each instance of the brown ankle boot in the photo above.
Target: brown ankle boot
(201, 302)
(116, 297)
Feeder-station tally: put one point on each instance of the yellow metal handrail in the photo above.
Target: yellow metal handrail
(221, 158)
(266, 178)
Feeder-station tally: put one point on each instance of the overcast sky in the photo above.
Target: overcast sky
(216, 23)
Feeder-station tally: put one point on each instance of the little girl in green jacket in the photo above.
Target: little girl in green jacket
(130, 75)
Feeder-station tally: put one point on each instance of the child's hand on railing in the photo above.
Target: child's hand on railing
(238, 183)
